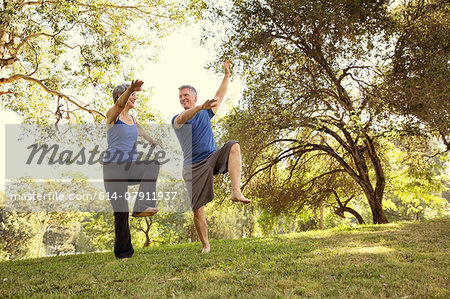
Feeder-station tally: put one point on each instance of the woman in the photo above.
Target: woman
(121, 167)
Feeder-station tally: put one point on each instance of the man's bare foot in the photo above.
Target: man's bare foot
(147, 212)
(205, 250)
(237, 196)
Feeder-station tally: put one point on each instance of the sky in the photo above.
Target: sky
(180, 61)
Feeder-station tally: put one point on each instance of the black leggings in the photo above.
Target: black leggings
(117, 178)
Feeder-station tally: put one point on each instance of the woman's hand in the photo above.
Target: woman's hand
(136, 85)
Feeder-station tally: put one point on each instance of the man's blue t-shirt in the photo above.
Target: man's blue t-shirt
(203, 143)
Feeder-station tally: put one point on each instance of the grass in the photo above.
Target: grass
(400, 260)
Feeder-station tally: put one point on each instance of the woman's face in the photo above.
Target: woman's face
(131, 100)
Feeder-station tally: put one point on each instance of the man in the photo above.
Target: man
(203, 159)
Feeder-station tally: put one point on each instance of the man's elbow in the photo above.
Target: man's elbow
(177, 123)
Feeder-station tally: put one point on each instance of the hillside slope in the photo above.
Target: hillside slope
(400, 260)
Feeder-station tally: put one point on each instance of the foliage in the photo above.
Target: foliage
(99, 229)
(61, 239)
(302, 62)
(416, 83)
(416, 180)
(229, 220)
(50, 49)
(16, 233)
(165, 228)
(59, 61)
(312, 71)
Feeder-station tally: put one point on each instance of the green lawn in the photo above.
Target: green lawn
(401, 260)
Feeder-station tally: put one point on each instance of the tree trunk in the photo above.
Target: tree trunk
(39, 245)
(376, 198)
(377, 211)
(341, 210)
(315, 216)
(43, 226)
(149, 223)
(321, 226)
(251, 222)
(418, 216)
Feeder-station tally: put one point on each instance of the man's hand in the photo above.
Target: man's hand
(209, 104)
(136, 85)
(226, 67)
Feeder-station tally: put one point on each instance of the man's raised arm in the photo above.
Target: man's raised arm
(220, 94)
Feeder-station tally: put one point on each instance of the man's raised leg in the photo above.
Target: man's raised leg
(234, 169)
(202, 228)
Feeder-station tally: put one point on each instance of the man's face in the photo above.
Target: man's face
(187, 98)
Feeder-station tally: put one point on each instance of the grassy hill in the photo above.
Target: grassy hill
(401, 260)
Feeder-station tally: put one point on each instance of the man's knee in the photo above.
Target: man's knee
(235, 149)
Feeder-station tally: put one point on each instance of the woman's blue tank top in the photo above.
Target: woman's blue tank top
(121, 142)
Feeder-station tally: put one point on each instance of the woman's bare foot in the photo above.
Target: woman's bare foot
(237, 196)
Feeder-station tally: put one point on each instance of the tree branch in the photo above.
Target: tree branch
(7, 92)
(50, 91)
(137, 9)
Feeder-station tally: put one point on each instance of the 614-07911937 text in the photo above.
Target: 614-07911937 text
(143, 195)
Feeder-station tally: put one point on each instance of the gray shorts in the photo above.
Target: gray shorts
(199, 176)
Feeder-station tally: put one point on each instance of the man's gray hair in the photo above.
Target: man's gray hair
(191, 88)
(118, 90)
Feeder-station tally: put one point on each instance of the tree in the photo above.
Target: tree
(49, 49)
(56, 54)
(144, 226)
(47, 221)
(416, 83)
(416, 180)
(46, 215)
(290, 187)
(16, 232)
(99, 230)
(311, 69)
(168, 228)
(62, 239)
